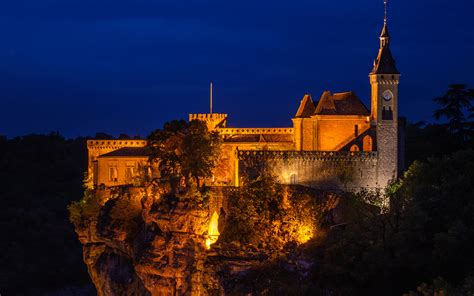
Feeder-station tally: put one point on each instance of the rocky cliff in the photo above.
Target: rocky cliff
(252, 240)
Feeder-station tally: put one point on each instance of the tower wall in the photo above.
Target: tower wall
(387, 163)
(385, 117)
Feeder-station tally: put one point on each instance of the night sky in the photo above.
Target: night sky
(86, 66)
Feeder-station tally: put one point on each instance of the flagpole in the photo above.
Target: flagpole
(210, 99)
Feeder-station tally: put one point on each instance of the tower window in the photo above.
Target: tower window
(387, 114)
(356, 130)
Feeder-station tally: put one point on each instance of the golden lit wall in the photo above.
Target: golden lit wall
(96, 147)
(120, 165)
(331, 132)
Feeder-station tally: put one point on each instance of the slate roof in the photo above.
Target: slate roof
(307, 107)
(128, 152)
(385, 31)
(385, 63)
(346, 103)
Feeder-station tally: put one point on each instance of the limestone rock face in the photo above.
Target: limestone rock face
(139, 241)
(142, 244)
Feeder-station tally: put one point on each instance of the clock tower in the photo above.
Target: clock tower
(384, 80)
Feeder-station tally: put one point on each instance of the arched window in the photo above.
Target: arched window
(293, 179)
(355, 148)
(367, 143)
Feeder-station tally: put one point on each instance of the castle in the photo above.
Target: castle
(334, 143)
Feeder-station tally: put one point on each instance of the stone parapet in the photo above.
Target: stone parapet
(203, 116)
(107, 144)
(310, 155)
(255, 131)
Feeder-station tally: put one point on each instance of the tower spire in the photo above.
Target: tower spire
(385, 36)
(384, 63)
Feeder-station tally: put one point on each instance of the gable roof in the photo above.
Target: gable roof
(346, 103)
(306, 108)
(128, 152)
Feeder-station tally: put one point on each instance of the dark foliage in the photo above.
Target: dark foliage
(426, 234)
(457, 133)
(184, 149)
(456, 106)
(39, 176)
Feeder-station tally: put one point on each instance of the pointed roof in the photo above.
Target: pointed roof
(385, 33)
(306, 108)
(346, 103)
(384, 63)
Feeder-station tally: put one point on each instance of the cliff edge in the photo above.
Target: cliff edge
(214, 241)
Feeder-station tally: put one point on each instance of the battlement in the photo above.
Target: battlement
(255, 131)
(115, 144)
(206, 117)
(309, 155)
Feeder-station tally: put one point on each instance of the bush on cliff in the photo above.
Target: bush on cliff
(269, 215)
(80, 212)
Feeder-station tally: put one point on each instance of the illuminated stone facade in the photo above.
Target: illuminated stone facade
(335, 143)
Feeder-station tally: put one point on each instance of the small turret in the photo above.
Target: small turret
(213, 121)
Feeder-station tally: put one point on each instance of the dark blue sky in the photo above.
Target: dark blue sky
(116, 66)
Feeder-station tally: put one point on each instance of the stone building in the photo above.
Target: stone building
(335, 142)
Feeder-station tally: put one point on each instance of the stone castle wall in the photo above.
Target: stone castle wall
(341, 170)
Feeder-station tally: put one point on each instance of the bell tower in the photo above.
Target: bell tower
(384, 80)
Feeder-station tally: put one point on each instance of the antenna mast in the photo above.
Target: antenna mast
(210, 98)
(385, 17)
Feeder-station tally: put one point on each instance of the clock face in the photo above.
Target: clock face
(387, 95)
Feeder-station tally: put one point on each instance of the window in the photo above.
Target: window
(113, 176)
(356, 130)
(129, 172)
(293, 179)
(367, 143)
(387, 114)
(355, 148)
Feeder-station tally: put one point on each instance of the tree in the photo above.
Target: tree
(184, 149)
(454, 106)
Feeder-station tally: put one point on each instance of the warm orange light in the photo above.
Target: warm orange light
(213, 231)
(304, 234)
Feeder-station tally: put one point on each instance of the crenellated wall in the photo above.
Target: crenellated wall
(213, 121)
